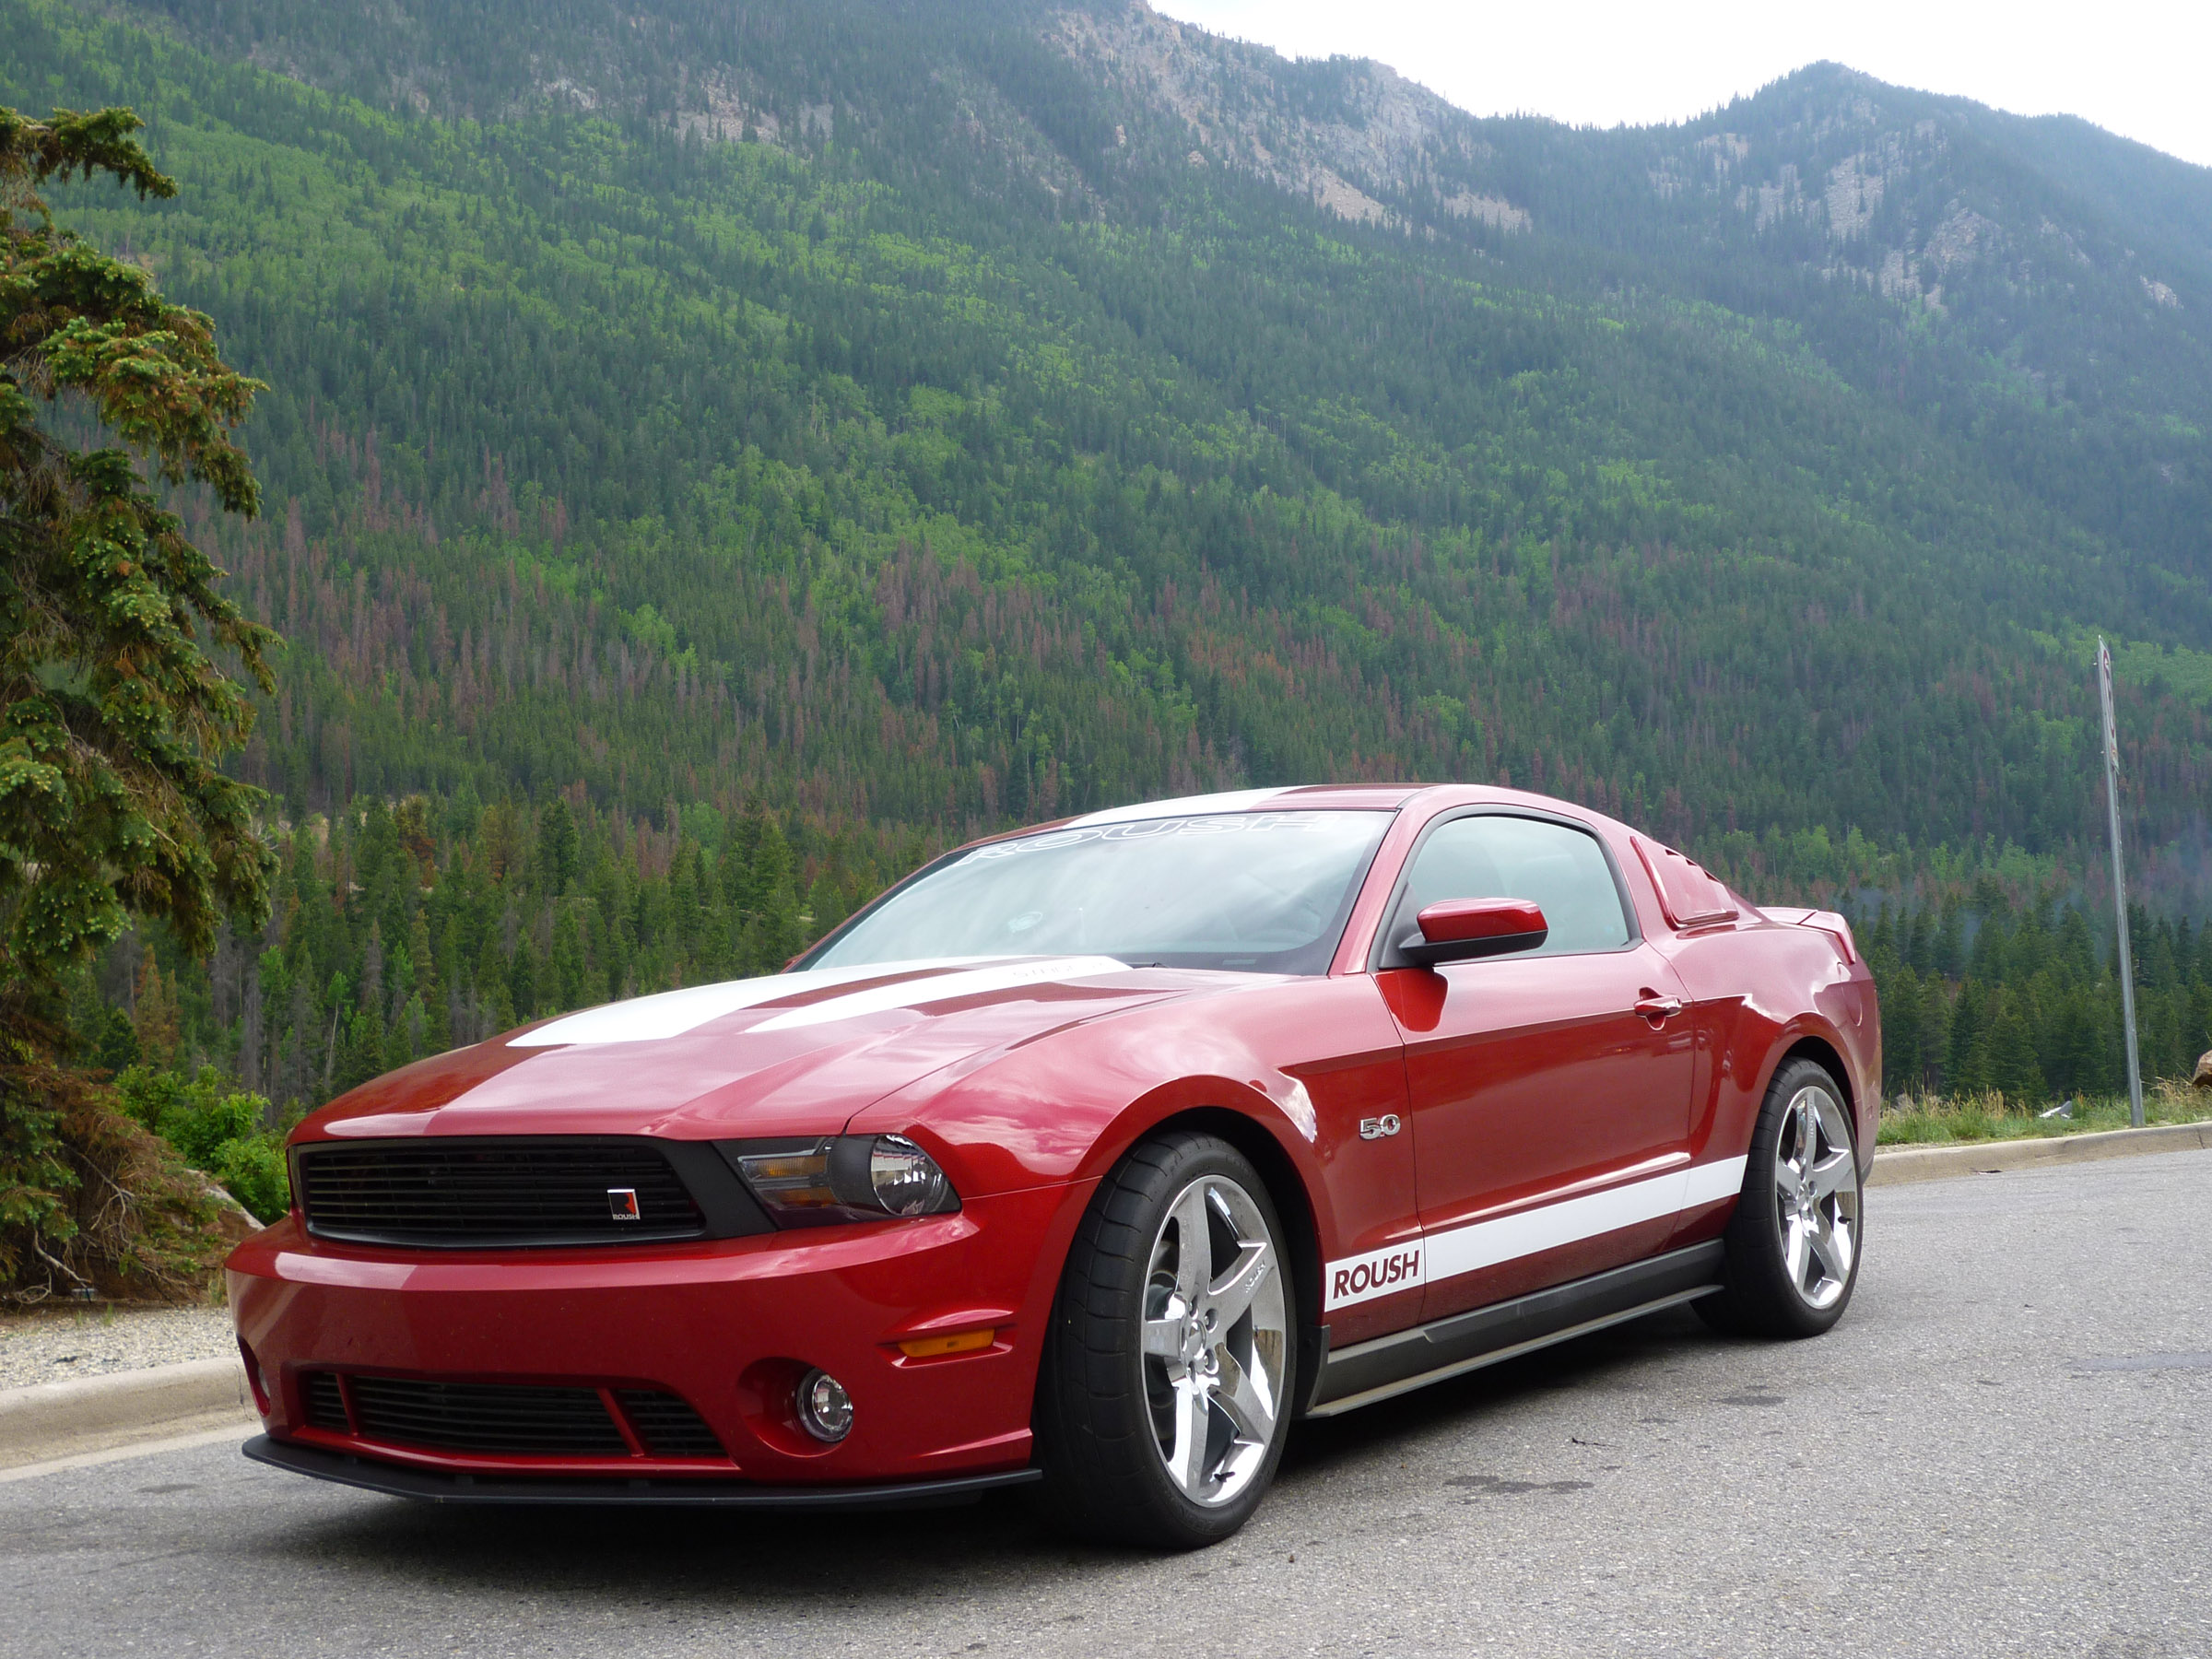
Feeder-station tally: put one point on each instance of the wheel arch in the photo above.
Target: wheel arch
(1811, 1045)
(1829, 1055)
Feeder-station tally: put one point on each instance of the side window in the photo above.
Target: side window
(1498, 857)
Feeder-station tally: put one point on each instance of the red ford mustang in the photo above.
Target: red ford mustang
(1086, 1158)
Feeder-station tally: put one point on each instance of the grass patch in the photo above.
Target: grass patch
(1934, 1121)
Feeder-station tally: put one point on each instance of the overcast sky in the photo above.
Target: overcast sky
(2141, 67)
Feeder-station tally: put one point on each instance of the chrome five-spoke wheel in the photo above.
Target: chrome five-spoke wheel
(1165, 1394)
(1793, 1247)
(1215, 1344)
(1817, 1196)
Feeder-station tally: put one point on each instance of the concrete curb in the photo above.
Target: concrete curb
(1893, 1166)
(49, 1421)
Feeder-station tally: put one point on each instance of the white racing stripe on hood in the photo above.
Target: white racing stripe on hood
(1235, 800)
(916, 993)
(672, 1013)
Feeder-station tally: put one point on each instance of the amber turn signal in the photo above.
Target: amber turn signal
(929, 1348)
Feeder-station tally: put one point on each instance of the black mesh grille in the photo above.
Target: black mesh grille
(667, 1424)
(488, 1193)
(487, 1417)
(325, 1407)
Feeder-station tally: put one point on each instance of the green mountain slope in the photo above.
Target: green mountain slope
(935, 415)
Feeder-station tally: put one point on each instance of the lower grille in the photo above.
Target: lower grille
(488, 1417)
(508, 1418)
(325, 1406)
(667, 1424)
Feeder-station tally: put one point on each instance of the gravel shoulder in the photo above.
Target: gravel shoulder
(57, 1344)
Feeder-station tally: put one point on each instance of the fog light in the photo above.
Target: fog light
(825, 1408)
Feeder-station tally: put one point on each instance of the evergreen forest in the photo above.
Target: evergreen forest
(716, 456)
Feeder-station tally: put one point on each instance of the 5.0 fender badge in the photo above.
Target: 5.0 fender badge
(1375, 1128)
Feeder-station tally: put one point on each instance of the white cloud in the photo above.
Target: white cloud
(2138, 67)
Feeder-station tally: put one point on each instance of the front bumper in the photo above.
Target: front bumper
(727, 1323)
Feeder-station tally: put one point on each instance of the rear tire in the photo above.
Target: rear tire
(1162, 1402)
(1795, 1242)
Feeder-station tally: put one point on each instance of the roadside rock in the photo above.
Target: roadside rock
(232, 1219)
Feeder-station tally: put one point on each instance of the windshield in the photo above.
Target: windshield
(1263, 892)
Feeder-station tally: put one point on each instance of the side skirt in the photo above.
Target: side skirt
(1369, 1371)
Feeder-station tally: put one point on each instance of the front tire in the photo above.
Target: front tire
(1162, 1405)
(1793, 1244)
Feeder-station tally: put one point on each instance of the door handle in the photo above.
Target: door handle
(1659, 1010)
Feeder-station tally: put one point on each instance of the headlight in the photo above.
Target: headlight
(905, 1181)
(841, 1178)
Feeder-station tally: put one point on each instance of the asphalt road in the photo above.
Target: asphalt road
(2003, 1450)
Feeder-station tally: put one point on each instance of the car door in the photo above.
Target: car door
(1550, 1089)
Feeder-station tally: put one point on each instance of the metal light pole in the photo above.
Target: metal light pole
(2112, 808)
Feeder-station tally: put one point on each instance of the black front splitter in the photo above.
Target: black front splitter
(400, 1481)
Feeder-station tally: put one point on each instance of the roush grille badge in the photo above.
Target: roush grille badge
(622, 1203)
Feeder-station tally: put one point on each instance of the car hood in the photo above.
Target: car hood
(791, 1053)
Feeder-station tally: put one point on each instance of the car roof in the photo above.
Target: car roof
(1305, 797)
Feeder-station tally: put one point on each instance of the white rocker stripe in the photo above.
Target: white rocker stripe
(1429, 1257)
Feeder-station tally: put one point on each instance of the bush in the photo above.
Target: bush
(217, 1130)
(92, 1201)
(253, 1172)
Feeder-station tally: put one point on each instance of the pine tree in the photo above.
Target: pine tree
(116, 1045)
(557, 845)
(1950, 943)
(569, 962)
(114, 715)
(2013, 1069)
(361, 1051)
(252, 1036)
(372, 974)
(1966, 1071)
(1921, 949)
(154, 1018)
(522, 978)
(301, 1048)
(1934, 1035)
(1901, 1005)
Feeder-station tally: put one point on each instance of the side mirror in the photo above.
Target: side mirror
(1460, 930)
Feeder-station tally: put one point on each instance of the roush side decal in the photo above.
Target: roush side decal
(1430, 1257)
(1378, 1272)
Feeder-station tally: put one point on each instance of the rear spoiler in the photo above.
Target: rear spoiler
(1827, 922)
